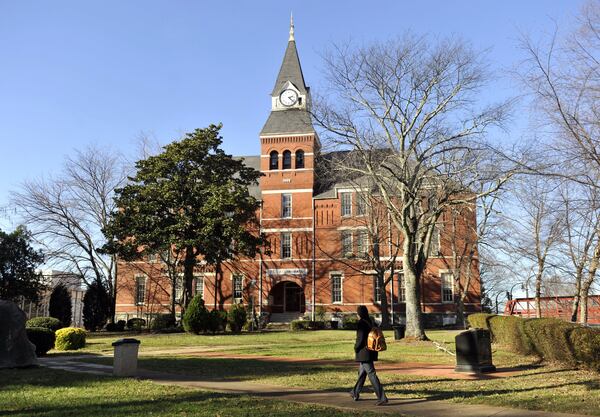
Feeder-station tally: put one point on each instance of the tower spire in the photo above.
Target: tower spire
(291, 27)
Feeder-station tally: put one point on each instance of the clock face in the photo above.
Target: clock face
(288, 97)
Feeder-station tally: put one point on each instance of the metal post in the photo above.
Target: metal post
(314, 261)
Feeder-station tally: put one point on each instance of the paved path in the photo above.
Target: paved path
(406, 407)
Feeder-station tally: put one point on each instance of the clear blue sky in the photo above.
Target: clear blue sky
(74, 73)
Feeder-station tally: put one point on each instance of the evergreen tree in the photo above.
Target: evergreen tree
(96, 306)
(18, 261)
(191, 199)
(60, 305)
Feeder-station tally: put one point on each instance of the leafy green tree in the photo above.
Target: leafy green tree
(96, 306)
(191, 199)
(18, 263)
(60, 305)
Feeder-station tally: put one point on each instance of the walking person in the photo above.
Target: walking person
(366, 357)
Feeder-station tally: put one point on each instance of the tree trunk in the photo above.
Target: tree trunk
(538, 295)
(188, 276)
(385, 315)
(577, 296)
(414, 317)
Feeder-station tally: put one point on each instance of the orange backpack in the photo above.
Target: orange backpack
(376, 340)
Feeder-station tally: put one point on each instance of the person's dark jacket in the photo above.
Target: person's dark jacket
(362, 354)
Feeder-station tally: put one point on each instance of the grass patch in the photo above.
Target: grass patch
(53, 393)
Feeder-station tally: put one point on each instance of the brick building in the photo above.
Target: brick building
(315, 229)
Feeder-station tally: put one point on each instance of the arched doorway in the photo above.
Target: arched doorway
(287, 297)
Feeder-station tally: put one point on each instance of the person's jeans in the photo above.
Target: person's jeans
(367, 369)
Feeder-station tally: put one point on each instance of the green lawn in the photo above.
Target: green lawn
(40, 392)
(535, 387)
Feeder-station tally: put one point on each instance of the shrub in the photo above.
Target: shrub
(116, 327)
(42, 338)
(320, 313)
(136, 323)
(217, 321)
(45, 322)
(316, 325)
(70, 338)
(195, 317)
(236, 317)
(60, 305)
(296, 325)
(509, 331)
(350, 322)
(586, 345)
(162, 321)
(550, 338)
(480, 320)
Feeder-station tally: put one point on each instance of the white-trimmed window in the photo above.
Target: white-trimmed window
(286, 245)
(200, 285)
(361, 203)
(376, 292)
(286, 206)
(140, 289)
(362, 243)
(238, 287)
(336, 288)
(401, 288)
(346, 204)
(346, 237)
(447, 287)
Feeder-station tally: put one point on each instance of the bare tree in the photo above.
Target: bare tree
(535, 230)
(408, 108)
(66, 214)
(563, 75)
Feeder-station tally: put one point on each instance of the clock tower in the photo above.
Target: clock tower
(288, 145)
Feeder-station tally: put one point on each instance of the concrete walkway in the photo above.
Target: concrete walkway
(406, 407)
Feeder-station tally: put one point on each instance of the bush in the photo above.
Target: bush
(43, 339)
(296, 325)
(60, 305)
(320, 313)
(217, 321)
(509, 331)
(550, 339)
(236, 317)
(316, 325)
(116, 327)
(480, 320)
(195, 318)
(350, 322)
(45, 322)
(136, 323)
(162, 321)
(70, 338)
(586, 345)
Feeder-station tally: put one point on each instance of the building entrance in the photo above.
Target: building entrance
(287, 297)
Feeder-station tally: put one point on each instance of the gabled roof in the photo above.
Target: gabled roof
(290, 71)
(288, 121)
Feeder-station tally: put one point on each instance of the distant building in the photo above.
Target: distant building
(557, 307)
(315, 228)
(74, 284)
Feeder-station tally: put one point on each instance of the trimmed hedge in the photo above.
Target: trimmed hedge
(42, 338)
(236, 317)
(162, 321)
(196, 316)
(307, 325)
(70, 338)
(549, 338)
(136, 323)
(350, 322)
(46, 322)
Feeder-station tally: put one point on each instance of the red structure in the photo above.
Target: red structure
(559, 307)
(316, 232)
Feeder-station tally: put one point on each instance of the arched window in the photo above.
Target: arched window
(274, 160)
(287, 160)
(299, 159)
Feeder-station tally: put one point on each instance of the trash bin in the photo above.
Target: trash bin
(474, 351)
(126, 357)
(399, 330)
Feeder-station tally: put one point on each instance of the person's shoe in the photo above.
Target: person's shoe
(382, 402)
(354, 397)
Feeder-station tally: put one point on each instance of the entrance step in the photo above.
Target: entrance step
(285, 317)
